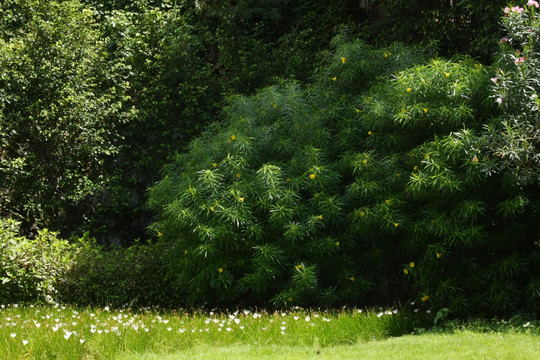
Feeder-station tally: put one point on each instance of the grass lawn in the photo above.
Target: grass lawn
(59, 332)
(461, 345)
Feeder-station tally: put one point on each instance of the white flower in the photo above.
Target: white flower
(169, 328)
(13, 335)
(308, 318)
(25, 342)
(82, 341)
(67, 334)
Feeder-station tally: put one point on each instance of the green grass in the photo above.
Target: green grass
(72, 333)
(462, 345)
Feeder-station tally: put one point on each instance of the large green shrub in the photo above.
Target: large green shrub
(289, 201)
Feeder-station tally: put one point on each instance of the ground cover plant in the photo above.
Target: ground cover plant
(103, 333)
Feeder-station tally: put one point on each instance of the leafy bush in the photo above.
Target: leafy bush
(116, 276)
(259, 208)
(30, 269)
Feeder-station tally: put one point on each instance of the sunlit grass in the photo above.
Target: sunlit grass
(102, 333)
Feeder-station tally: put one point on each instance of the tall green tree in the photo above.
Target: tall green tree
(61, 106)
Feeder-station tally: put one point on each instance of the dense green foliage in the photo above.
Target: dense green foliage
(60, 110)
(455, 26)
(355, 175)
(326, 194)
(30, 269)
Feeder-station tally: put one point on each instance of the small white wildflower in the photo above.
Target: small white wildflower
(237, 321)
(165, 321)
(283, 328)
(169, 328)
(296, 317)
(13, 335)
(25, 342)
(228, 329)
(428, 311)
(82, 341)
(308, 318)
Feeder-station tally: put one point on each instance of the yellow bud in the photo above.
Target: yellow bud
(409, 89)
(214, 164)
(242, 199)
(343, 59)
(312, 176)
(220, 270)
(334, 78)
(233, 137)
(159, 234)
(425, 298)
(238, 175)
(405, 271)
(439, 255)
(411, 264)
(362, 213)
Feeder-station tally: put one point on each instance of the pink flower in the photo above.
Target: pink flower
(506, 10)
(517, 9)
(494, 80)
(503, 40)
(521, 60)
(533, 3)
(499, 100)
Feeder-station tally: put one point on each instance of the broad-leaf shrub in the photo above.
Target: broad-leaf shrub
(50, 269)
(30, 269)
(132, 276)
